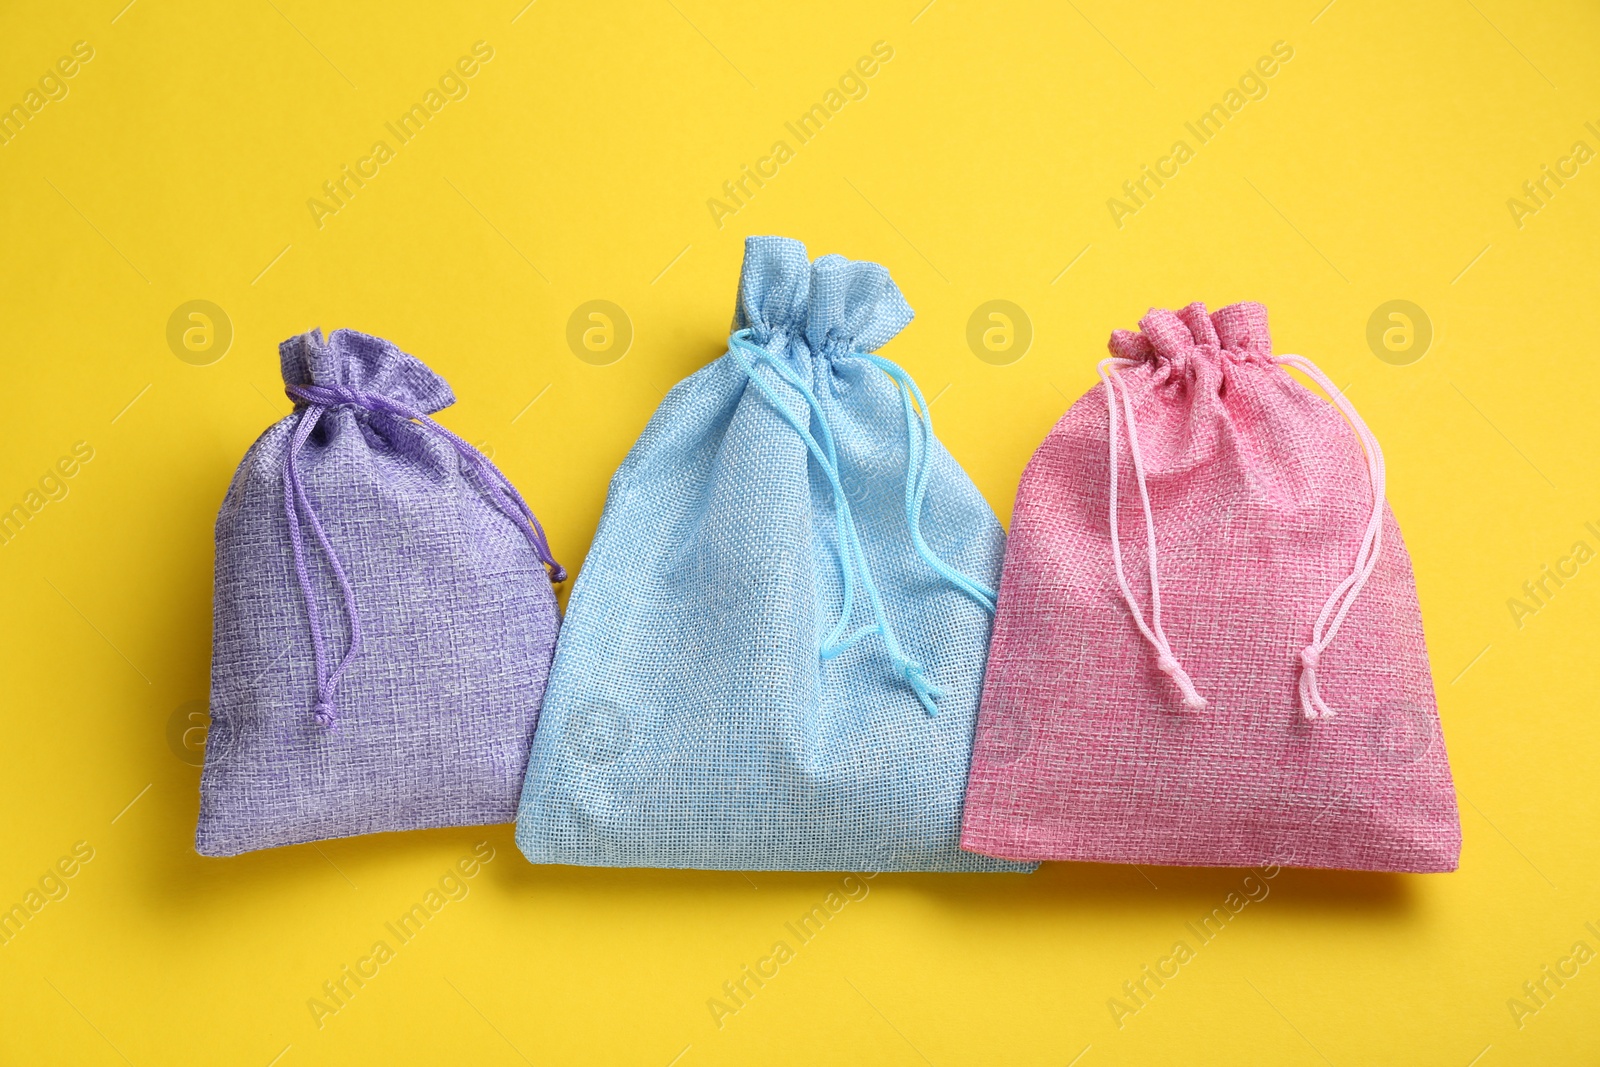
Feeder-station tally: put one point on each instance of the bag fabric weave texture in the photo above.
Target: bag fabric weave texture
(763, 665)
(1234, 673)
(384, 622)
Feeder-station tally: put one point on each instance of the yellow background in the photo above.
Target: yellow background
(977, 168)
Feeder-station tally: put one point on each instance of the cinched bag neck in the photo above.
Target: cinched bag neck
(835, 307)
(1173, 342)
(1170, 342)
(369, 364)
(365, 364)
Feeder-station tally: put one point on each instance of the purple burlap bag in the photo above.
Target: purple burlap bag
(384, 621)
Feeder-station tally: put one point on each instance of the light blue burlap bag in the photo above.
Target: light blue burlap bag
(772, 657)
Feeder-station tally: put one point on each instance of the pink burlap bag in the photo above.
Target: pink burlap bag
(1228, 668)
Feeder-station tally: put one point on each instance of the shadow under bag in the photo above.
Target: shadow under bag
(384, 622)
(1208, 649)
(772, 657)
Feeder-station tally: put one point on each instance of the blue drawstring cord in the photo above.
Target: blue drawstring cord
(852, 553)
(917, 487)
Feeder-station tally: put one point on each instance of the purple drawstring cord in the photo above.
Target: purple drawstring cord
(293, 491)
(318, 399)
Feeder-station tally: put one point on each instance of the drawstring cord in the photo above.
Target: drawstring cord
(294, 498)
(503, 494)
(1338, 605)
(1152, 631)
(853, 564)
(919, 434)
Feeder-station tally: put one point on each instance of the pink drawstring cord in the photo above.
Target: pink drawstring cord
(1338, 605)
(1165, 660)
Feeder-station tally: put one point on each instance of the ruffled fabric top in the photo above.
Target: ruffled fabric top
(836, 305)
(1237, 332)
(365, 364)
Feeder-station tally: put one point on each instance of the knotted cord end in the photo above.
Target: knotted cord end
(1174, 670)
(926, 691)
(325, 714)
(1312, 705)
